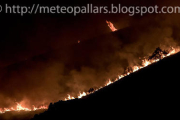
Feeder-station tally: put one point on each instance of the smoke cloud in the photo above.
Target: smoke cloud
(41, 60)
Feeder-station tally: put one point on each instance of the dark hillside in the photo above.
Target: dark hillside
(150, 91)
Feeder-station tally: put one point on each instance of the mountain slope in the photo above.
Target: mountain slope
(147, 92)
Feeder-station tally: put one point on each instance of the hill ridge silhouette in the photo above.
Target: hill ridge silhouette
(149, 91)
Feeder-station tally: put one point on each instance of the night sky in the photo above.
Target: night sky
(41, 60)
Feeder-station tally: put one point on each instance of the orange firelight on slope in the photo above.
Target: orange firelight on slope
(144, 63)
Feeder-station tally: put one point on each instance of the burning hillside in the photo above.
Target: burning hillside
(153, 88)
(19, 106)
(155, 57)
(91, 61)
(95, 70)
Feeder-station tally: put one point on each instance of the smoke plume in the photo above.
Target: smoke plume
(41, 60)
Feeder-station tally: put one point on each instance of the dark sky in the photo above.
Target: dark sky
(41, 61)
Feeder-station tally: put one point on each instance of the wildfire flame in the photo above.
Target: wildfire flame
(145, 63)
(111, 26)
(108, 83)
(19, 107)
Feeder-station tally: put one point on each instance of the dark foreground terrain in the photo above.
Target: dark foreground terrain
(151, 92)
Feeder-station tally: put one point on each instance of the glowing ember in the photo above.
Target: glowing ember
(111, 26)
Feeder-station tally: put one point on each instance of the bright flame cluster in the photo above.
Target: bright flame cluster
(19, 107)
